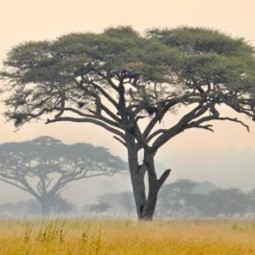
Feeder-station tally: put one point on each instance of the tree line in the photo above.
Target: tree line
(183, 199)
(180, 199)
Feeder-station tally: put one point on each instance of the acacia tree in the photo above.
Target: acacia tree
(118, 78)
(44, 166)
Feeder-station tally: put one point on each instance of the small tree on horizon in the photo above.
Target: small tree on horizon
(128, 83)
(44, 166)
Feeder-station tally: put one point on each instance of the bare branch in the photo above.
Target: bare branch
(163, 177)
(29, 188)
(105, 94)
(199, 110)
(120, 140)
(235, 120)
(90, 120)
(13, 184)
(206, 127)
(154, 134)
(160, 114)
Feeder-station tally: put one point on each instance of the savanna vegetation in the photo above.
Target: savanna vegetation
(128, 83)
(182, 199)
(80, 237)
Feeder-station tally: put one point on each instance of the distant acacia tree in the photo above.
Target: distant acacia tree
(227, 202)
(120, 203)
(128, 83)
(173, 198)
(185, 198)
(99, 208)
(42, 167)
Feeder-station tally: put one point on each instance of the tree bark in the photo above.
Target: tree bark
(137, 180)
(145, 201)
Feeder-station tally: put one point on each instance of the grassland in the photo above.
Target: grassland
(126, 237)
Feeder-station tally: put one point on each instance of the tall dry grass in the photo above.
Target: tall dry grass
(126, 237)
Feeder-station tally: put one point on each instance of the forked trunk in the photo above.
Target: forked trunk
(145, 201)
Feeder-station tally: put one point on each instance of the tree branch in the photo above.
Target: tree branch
(94, 115)
(154, 134)
(90, 120)
(26, 187)
(163, 177)
(62, 182)
(13, 184)
(181, 125)
(105, 94)
(206, 127)
(235, 120)
(120, 140)
(159, 115)
(29, 188)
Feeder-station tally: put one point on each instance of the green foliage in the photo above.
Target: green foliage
(80, 76)
(202, 40)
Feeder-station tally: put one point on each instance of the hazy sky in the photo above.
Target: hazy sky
(226, 157)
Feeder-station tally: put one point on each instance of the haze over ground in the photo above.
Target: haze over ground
(226, 157)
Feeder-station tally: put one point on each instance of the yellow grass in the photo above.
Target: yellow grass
(126, 237)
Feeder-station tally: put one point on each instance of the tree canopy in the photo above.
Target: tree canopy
(177, 66)
(118, 78)
(42, 167)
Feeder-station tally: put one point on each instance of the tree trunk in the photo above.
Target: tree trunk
(137, 180)
(145, 203)
(46, 204)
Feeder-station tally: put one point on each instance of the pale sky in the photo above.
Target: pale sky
(226, 157)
